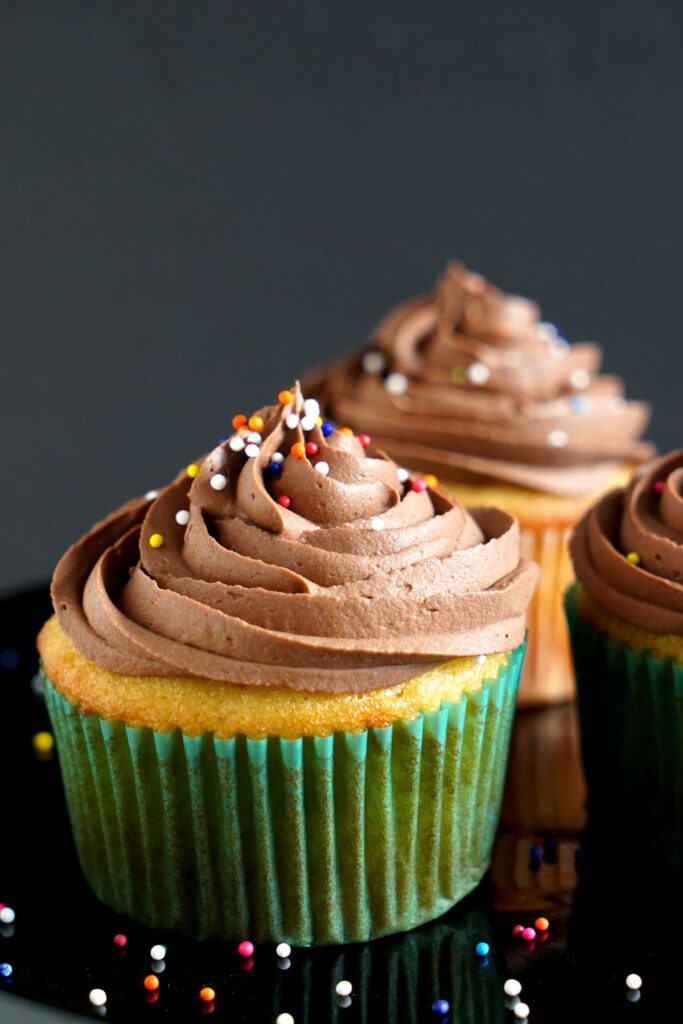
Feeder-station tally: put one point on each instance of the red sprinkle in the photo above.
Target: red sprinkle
(659, 486)
(365, 440)
(285, 501)
(419, 484)
(245, 948)
(247, 964)
(518, 929)
(311, 448)
(120, 940)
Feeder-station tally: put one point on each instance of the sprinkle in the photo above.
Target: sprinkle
(318, 421)
(376, 523)
(5, 970)
(254, 437)
(480, 659)
(274, 467)
(307, 423)
(365, 440)
(284, 1018)
(420, 484)
(252, 450)
(327, 428)
(521, 1011)
(542, 924)
(245, 948)
(559, 348)
(580, 379)
(482, 949)
(156, 540)
(37, 684)
(373, 361)
(43, 742)
(255, 423)
(431, 480)
(182, 517)
(311, 448)
(547, 331)
(458, 374)
(396, 384)
(284, 963)
(192, 469)
(292, 421)
(239, 420)
(579, 405)
(151, 495)
(617, 404)
(151, 983)
(528, 934)
(402, 474)
(558, 438)
(633, 557)
(322, 467)
(207, 994)
(236, 443)
(517, 930)
(633, 981)
(219, 481)
(298, 450)
(158, 952)
(120, 940)
(312, 407)
(277, 457)
(343, 988)
(512, 987)
(441, 1006)
(284, 500)
(97, 996)
(283, 949)
(659, 486)
(478, 373)
(7, 915)
(285, 397)
(346, 431)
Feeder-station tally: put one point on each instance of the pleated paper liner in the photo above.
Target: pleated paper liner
(631, 719)
(318, 840)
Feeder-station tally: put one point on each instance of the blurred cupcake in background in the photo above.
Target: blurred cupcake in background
(468, 384)
(626, 624)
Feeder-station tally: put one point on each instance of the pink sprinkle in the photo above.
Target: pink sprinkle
(528, 934)
(245, 948)
(120, 940)
(517, 930)
(659, 486)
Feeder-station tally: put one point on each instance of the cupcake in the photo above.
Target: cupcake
(626, 624)
(468, 384)
(282, 689)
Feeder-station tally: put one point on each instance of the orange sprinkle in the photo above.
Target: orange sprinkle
(207, 994)
(542, 924)
(346, 430)
(285, 397)
(431, 480)
(151, 982)
(239, 420)
(298, 450)
(255, 423)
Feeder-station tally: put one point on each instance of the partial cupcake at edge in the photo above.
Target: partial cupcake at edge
(470, 385)
(282, 689)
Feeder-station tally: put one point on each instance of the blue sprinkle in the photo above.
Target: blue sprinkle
(327, 428)
(483, 949)
(579, 405)
(441, 1006)
(10, 658)
(274, 467)
(5, 970)
(536, 852)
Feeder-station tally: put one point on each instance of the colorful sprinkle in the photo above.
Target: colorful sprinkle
(420, 484)
(482, 949)
(255, 423)
(277, 457)
(633, 981)
(283, 949)
(152, 495)
(43, 742)
(284, 1018)
(156, 540)
(373, 362)
(252, 450)
(528, 934)
(478, 373)
(343, 988)
(207, 994)
(158, 952)
(558, 438)
(151, 983)
(311, 448)
(322, 467)
(292, 421)
(245, 948)
(365, 440)
(521, 1011)
(120, 940)
(376, 523)
(284, 500)
(327, 428)
(236, 443)
(182, 517)
(7, 915)
(254, 437)
(403, 474)
(396, 383)
(580, 379)
(458, 374)
(298, 450)
(307, 423)
(579, 405)
(346, 431)
(633, 557)
(542, 924)
(659, 486)
(431, 480)
(512, 987)
(97, 996)
(517, 930)
(192, 469)
(480, 659)
(274, 467)
(312, 407)
(219, 481)
(239, 420)
(441, 1006)
(5, 970)
(285, 397)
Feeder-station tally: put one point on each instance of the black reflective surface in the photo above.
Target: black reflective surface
(610, 913)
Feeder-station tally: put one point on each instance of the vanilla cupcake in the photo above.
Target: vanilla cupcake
(469, 385)
(282, 689)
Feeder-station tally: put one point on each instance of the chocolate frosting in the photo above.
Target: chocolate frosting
(468, 382)
(358, 577)
(643, 521)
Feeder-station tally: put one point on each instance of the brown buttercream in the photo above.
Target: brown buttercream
(645, 521)
(362, 582)
(469, 383)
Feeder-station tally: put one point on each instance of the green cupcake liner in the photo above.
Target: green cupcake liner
(630, 708)
(318, 840)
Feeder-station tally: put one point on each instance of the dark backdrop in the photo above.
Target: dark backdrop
(200, 198)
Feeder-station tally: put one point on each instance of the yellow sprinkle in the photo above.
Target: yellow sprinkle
(156, 540)
(346, 430)
(43, 742)
(319, 421)
(192, 469)
(633, 557)
(431, 480)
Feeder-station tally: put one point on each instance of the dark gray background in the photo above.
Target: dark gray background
(199, 199)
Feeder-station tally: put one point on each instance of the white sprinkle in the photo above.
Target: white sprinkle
(182, 518)
(254, 437)
(396, 384)
(151, 495)
(480, 659)
(512, 987)
(580, 379)
(252, 450)
(7, 915)
(277, 457)
(236, 444)
(521, 1011)
(633, 995)
(284, 963)
(218, 481)
(547, 331)
(158, 966)
(284, 1018)
(559, 348)
(558, 438)
(618, 404)
(37, 683)
(292, 421)
(376, 523)
(307, 422)
(322, 467)
(158, 952)
(373, 362)
(402, 474)
(512, 359)
(311, 407)
(633, 981)
(343, 988)
(478, 373)
(97, 996)
(283, 949)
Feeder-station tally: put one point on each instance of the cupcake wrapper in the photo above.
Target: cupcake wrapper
(317, 840)
(631, 717)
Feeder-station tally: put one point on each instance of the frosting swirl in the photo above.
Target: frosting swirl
(628, 548)
(292, 556)
(468, 382)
